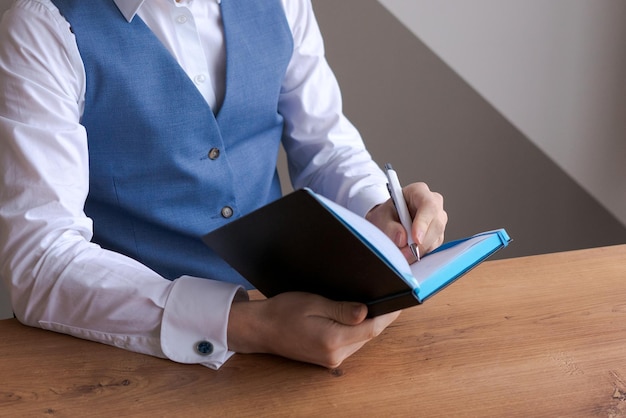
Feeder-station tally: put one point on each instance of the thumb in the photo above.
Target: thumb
(348, 313)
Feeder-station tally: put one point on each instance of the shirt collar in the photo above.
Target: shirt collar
(129, 7)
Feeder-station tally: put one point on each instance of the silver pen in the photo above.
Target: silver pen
(395, 190)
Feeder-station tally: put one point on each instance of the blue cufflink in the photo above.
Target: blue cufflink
(204, 348)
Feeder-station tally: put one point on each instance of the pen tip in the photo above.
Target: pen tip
(415, 251)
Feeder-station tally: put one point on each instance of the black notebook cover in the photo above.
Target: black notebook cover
(300, 243)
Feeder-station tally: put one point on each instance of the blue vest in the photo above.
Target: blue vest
(164, 169)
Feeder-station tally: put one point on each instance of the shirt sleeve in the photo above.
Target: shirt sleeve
(324, 150)
(57, 278)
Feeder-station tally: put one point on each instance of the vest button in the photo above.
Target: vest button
(214, 153)
(227, 211)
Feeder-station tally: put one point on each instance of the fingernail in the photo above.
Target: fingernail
(357, 308)
(420, 237)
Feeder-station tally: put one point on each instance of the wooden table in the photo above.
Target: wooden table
(539, 336)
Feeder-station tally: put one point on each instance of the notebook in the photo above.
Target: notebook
(305, 242)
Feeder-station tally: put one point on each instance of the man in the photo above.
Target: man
(130, 128)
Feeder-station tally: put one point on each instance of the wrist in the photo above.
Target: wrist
(245, 329)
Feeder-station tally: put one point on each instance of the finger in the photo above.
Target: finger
(424, 206)
(367, 329)
(383, 321)
(429, 216)
(385, 217)
(346, 313)
(435, 235)
(353, 338)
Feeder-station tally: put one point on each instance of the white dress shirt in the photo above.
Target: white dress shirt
(61, 281)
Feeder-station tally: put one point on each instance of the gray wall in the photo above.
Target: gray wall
(417, 112)
(555, 69)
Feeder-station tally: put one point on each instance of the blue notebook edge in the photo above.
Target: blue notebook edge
(444, 276)
(463, 263)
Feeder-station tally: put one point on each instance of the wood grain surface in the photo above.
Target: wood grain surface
(540, 336)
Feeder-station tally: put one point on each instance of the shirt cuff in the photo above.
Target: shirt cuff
(195, 321)
(368, 197)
